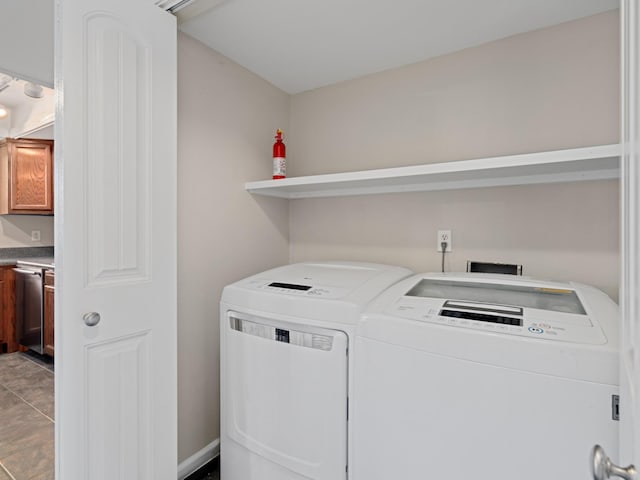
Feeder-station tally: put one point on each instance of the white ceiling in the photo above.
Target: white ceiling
(26, 114)
(299, 45)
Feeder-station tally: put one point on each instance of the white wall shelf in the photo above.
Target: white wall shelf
(572, 165)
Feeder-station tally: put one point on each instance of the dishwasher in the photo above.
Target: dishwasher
(29, 305)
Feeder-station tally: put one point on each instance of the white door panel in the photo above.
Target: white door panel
(630, 239)
(630, 284)
(115, 240)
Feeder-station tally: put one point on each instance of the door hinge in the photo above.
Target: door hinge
(615, 407)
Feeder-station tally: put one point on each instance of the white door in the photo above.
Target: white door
(630, 254)
(115, 241)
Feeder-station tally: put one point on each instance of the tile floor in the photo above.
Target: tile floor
(26, 421)
(26, 418)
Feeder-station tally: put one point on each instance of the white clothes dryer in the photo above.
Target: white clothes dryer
(286, 377)
(461, 376)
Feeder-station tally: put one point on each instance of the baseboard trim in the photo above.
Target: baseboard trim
(198, 459)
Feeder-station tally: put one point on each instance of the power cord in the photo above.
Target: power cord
(443, 246)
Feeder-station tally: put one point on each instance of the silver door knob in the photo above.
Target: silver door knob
(91, 319)
(602, 468)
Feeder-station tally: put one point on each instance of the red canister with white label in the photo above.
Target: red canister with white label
(279, 157)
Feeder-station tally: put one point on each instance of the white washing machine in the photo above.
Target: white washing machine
(469, 376)
(285, 339)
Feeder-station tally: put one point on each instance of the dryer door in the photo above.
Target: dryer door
(284, 400)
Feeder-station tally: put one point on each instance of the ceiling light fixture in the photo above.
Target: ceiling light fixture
(32, 90)
(4, 111)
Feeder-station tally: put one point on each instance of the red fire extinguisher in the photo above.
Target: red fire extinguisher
(279, 157)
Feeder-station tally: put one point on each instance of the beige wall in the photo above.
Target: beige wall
(562, 232)
(226, 121)
(15, 230)
(545, 90)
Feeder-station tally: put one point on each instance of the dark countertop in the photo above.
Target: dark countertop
(41, 256)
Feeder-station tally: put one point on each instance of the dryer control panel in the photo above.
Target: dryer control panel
(535, 312)
(308, 290)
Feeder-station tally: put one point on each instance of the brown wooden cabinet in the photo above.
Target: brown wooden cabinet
(26, 177)
(49, 294)
(8, 339)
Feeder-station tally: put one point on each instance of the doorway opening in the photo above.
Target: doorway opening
(27, 279)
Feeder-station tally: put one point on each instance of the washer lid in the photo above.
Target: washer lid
(329, 292)
(527, 309)
(317, 280)
(562, 300)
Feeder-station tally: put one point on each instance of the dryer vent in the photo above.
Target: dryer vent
(487, 267)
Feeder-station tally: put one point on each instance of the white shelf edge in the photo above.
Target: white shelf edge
(570, 165)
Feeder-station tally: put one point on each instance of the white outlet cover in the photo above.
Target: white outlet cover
(443, 236)
(35, 235)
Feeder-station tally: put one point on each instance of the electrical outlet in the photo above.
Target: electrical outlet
(35, 235)
(444, 236)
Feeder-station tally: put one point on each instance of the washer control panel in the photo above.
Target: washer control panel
(501, 319)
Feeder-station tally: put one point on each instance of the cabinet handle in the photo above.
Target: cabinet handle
(28, 272)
